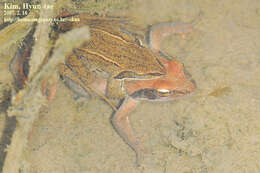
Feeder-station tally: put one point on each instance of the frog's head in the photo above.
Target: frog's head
(174, 84)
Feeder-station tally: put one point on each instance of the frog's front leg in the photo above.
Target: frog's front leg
(160, 31)
(122, 125)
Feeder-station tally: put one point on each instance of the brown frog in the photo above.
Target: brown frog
(115, 65)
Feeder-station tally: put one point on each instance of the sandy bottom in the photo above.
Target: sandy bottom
(215, 130)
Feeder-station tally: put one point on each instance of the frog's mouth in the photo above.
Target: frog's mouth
(153, 94)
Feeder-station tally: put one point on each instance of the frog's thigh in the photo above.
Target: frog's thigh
(73, 81)
(114, 89)
(80, 69)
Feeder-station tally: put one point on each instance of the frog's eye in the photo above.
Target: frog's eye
(163, 92)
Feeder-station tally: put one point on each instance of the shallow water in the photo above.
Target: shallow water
(215, 130)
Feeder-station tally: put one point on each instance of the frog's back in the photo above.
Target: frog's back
(116, 51)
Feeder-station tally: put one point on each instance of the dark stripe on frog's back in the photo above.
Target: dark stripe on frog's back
(94, 63)
(118, 53)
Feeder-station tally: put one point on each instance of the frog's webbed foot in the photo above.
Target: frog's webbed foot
(122, 125)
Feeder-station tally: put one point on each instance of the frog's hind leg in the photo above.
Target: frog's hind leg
(72, 81)
(83, 85)
(79, 91)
